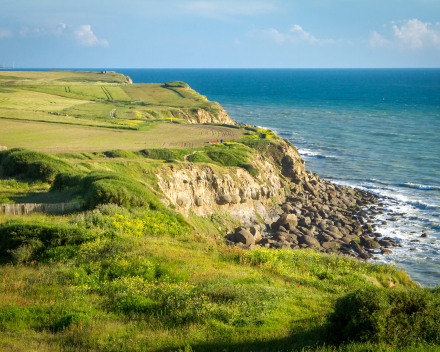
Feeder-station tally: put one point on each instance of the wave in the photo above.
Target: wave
(310, 153)
(418, 186)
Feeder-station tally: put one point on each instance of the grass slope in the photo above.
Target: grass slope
(58, 138)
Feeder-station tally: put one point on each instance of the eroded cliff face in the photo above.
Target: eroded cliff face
(204, 116)
(211, 189)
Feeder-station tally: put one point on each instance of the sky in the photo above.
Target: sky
(220, 34)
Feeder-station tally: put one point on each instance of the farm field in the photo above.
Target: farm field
(58, 138)
(28, 100)
(104, 97)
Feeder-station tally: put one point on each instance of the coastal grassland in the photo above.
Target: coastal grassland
(52, 137)
(139, 277)
(28, 100)
(109, 98)
(58, 77)
(141, 280)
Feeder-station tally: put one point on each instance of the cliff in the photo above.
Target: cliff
(207, 189)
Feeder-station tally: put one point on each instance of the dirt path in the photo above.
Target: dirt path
(186, 157)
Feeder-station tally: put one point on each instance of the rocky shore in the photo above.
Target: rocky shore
(327, 217)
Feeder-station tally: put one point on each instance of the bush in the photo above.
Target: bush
(176, 84)
(114, 188)
(66, 180)
(68, 320)
(166, 154)
(22, 241)
(119, 153)
(401, 317)
(33, 165)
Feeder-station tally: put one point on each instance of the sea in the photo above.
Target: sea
(375, 129)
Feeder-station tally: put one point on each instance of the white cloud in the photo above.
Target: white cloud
(301, 35)
(84, 36)
(225, 9)
(296, 34)
(415, 34)
(377, 40)
(5, 33)
(412, 34)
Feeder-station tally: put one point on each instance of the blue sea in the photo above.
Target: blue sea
(376, 129)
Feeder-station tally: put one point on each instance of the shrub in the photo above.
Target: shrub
(401, 317)
(43, 170)
(166, 154)
(66, 180)
(176, 84)
(33, 165)
(24, 240)
(14, 318)
(71, 319)
(119, 153)
(115, 188)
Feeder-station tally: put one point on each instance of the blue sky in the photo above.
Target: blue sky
(220, 34)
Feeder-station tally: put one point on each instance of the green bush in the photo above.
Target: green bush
(22, 241)
(43, 170)
(14, 318)
(68, 320)
(65, 180)
(33, 165)
(176, 84)
(119, 153)
(166, 154)
(401, 317)
(113, 188)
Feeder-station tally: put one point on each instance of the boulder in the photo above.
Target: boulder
(235, 199)
(369, 243)
(323, 237)
(257, 235)
(198, 201)
(306, 221)
(356, 247)
(309, 241)
(245, 237)
(288, 221)
(386, 251)
(183, 201)
(331, 245)
(224, 199)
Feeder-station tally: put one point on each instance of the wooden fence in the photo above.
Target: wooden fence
(29, 208)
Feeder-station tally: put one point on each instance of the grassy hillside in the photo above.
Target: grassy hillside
(96, 96)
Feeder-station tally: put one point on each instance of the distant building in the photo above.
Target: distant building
(107, 72)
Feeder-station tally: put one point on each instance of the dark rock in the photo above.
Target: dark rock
(288, 221)
(198, 201)
(386, 251)
(424, 235)
(224, 199)
(356, 247)
(309, 241)
(245, 237)
(385, 243)
(306, 221)
(368, 243)
(414, 241)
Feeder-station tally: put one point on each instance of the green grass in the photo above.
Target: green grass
(142, 281)
(52, 137)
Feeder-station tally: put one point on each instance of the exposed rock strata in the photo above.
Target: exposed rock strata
(209, 189)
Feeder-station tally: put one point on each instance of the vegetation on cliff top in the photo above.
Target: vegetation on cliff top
(130, 274)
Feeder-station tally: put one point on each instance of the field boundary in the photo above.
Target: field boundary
(29, 208)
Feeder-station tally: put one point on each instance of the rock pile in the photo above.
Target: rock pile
(324, 216)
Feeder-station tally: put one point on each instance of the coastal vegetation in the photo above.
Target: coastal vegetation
(129, 272)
